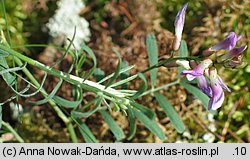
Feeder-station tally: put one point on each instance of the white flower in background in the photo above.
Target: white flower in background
(208, 137)
(16, 110)
(211, 120)
(187, 135)
(66, 18)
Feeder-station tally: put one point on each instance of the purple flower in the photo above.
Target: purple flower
(222, 84)
(179, 24)
(204, 86)
(232, 53)
(198, 70)
(217, 86)
(228, 43)
(217, 98)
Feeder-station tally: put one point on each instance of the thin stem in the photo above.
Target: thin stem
(165, 61)
(6, 22)
(9, 127)
(52, 103)
(159, 88)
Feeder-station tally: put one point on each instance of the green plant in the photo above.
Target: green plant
(109, 91)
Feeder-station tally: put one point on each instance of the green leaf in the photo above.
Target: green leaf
(50, 96)
(124, 81)
(98, 74)
(196, 93)
(142, 88)
(13, 69)
(66, 103)
(27, 87)
(150, 124)
(124, 75)
(85, 131)
(81, 61)
(91, 53)
(3, 53)
(8, 78)
(66, 51)
(183, 49)
(170, 112)
(90, 112)
(117, 71)
(14, 97)
(132, 123)
(183, 53)
(121, 71)
(114, 127)
(107, 104)
(152, 50)
(148, 112)
(77, 93)
(87, 104)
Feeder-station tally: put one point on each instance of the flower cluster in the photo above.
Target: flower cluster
(66, 16)
(208, 80)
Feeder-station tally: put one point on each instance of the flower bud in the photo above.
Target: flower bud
(228, 43)
(179, 24)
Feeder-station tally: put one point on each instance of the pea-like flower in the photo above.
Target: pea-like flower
(217, 98)
(179, 24)
(198, 70)
(222, 84)
(217, 86)
(227, 44)
(204, 86)
(232, 53)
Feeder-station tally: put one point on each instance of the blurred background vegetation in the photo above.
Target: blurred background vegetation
(125, 25)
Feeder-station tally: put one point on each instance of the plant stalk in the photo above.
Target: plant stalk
(13, 131)
(59, 112)
(85, 84)
(159, 88)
